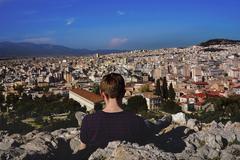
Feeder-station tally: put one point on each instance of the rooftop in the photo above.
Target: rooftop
(87, 95)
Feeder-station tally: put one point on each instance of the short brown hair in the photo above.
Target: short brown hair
(113, 85)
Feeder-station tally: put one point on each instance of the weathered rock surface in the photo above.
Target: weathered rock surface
(179, 118)
(79, 116)
(118, 151)
(39, 145)
(184, 139)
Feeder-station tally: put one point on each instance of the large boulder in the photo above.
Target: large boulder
(42, 146)
(7, 143)
(75, 144)
(10, 141)
(179, 118)
(13, 154)
(128, 151)
(231, 152)
(194, 124)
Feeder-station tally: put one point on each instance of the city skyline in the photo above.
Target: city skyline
(119, 24)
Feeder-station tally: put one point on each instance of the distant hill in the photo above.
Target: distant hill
(218, 42)
(23, 49)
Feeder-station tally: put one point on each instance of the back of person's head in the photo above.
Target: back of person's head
(113, 86)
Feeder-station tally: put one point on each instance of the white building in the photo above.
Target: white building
(85, 98)
(152, 100)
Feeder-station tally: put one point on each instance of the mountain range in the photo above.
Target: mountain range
(25, 49)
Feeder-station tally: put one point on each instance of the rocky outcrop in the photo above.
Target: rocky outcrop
(214, 141)
(59, 144)
(122, 150)
(183, 139)
(79, 116)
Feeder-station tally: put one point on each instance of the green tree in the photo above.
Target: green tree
(158, 88)
(12, 99)
(172, 93)
(165, 89)
(96, 89)
(24, 108)
(170, 107)
(26, 97)
(2, 100)
(137, 104)
(145, 88)
(45, 89)
(228, 108)
(3, 122)
(19, 89)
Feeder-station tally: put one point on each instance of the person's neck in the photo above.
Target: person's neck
(112, 106)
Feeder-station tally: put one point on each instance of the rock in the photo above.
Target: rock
(13, 140)
(186, 154)
(79, 116)
(236, 127)
(182, 140)
(196, 158)
(43, 145)
(66, 134)
(206, 152)
(75, 144)
(193, 124)
(213, 154)
(214, 141)
(179, 118)
(227, 156)
(6, 143)
(231, 153)
(228, 135)
(213, 125)
(194, 140)
(13, 154)
(119, 151)
(228, 132)
(30, 135)
(203, 152)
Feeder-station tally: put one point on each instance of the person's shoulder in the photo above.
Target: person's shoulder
(92, 115)
(130, 113)
(133, 115)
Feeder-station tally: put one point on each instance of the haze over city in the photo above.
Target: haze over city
(121, 24)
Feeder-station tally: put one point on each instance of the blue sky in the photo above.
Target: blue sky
(119, 24)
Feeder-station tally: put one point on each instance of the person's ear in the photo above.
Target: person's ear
(104, 95)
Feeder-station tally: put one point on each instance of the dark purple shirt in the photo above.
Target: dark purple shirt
(101, 127)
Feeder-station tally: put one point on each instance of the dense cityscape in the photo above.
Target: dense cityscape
(196, 80)
(46, 97)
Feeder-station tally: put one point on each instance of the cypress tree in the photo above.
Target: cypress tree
(172, 93)
(2, 99)
(165, 89)
(158, 88)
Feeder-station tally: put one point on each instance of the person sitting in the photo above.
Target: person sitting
(113, 123)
